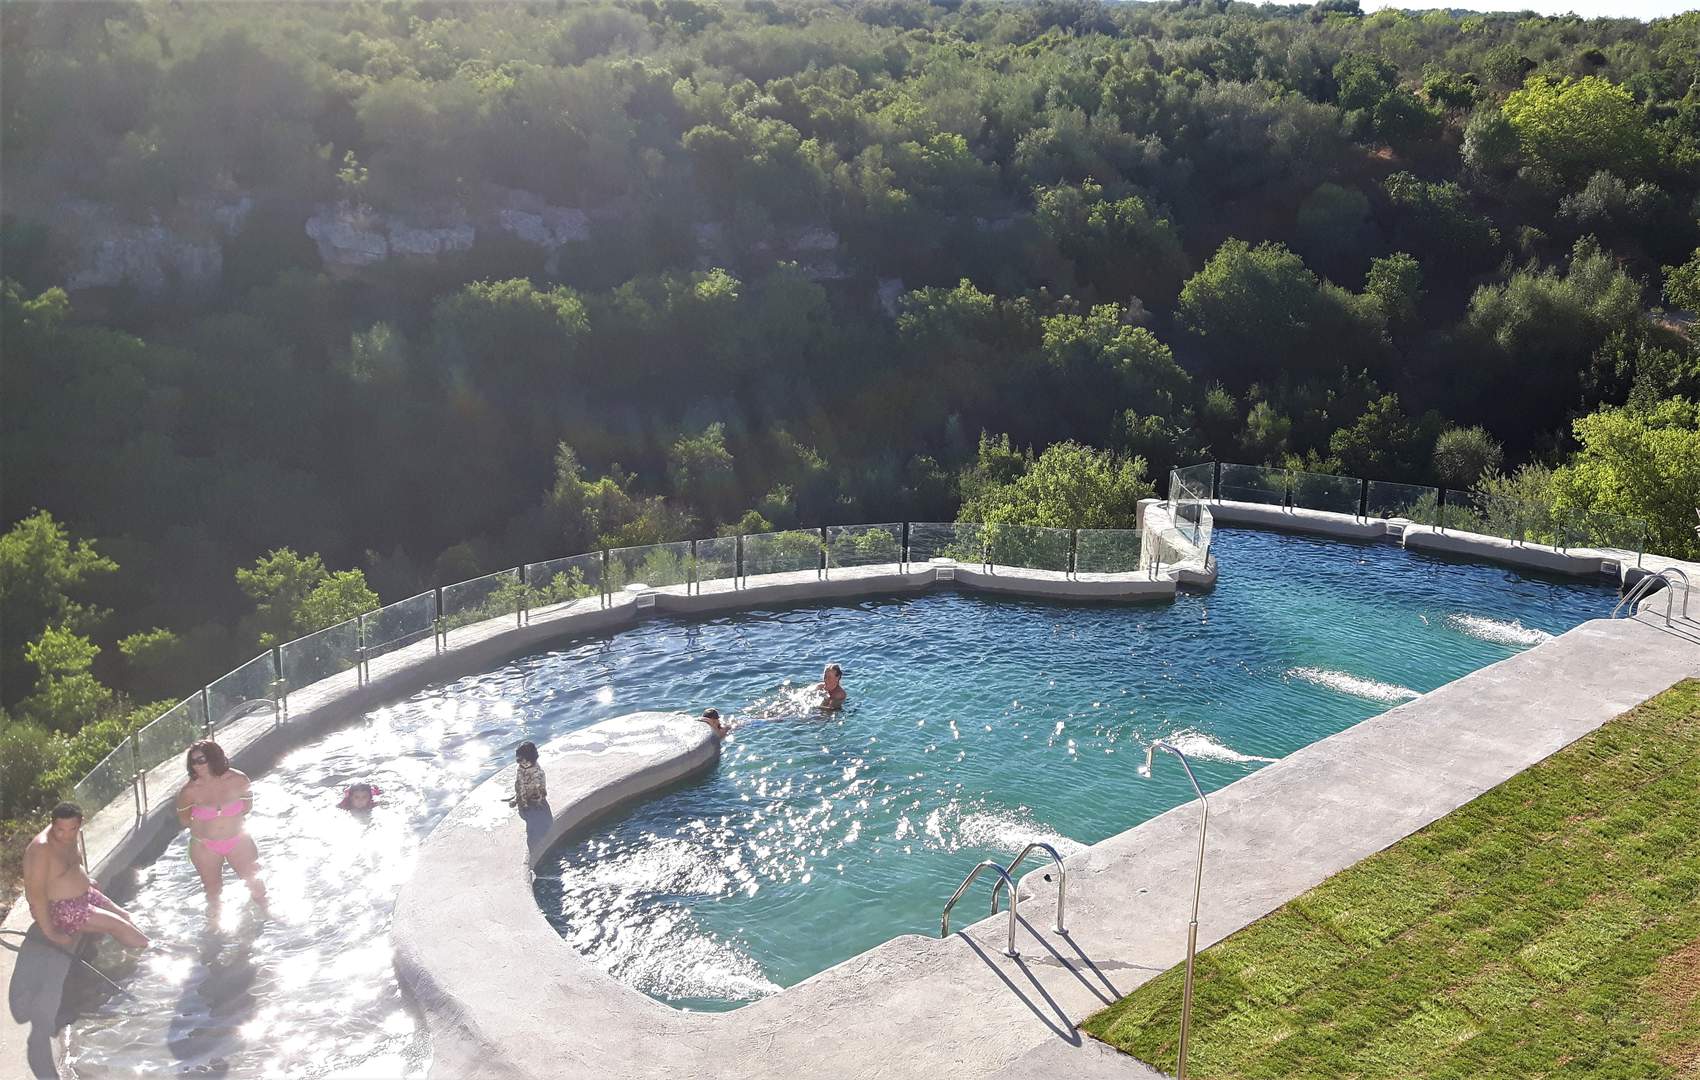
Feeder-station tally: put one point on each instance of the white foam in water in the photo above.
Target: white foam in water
(1345, 683)
(1497, 631)
(1195, 744)
(1010, 830)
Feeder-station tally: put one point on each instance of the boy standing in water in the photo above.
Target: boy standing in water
(831, 688)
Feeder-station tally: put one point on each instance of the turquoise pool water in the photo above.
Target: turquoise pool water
(973, 726)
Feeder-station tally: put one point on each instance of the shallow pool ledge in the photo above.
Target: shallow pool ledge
(471, 945)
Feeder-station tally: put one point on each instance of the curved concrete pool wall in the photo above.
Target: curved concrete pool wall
(116, 835)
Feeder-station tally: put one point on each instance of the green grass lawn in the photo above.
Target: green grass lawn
(1550, 928)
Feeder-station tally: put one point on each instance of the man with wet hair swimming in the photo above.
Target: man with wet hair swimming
(63, 900)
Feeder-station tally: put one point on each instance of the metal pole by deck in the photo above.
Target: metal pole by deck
(1197, 888)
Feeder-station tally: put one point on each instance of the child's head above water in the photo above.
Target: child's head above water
(360, 796)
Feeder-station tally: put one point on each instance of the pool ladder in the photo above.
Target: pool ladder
(1643, 589)
(1006, 876)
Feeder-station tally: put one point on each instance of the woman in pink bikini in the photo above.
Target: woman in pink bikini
(213, 804)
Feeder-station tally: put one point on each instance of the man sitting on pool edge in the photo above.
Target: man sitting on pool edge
(832, 689)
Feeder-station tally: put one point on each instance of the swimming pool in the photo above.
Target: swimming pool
(974, 725)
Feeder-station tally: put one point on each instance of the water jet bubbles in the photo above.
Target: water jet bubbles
(605, 696)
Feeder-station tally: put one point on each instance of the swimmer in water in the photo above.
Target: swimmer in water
(711, 717)
(359, 797)
(831, 688)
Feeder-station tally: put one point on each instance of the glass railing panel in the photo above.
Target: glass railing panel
(400, 624)
(321, 654)
(483, 598)
(1032, 547)
(1599, 529)
(1323, 491)
(255, 681)
(1413, 501)
(1107, 551)
(555, 583)
(107, 780)
(781, 552)
(1253, 483)
(655, 565)
(1201, 477)
(170, 735)
(717, 560)
(963, 541)
(864, 545)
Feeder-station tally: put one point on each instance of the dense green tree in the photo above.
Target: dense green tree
(1395, 282)
(295, 595)
(1462, 456)
(1576, 127)
(701, 472)
(1638, 464)
(1261, 313)
(1120, 246)
(1682, 284)
(67, 695)
(1067, 486)
(42, 573)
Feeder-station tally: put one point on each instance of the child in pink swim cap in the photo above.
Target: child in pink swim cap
(362, 796)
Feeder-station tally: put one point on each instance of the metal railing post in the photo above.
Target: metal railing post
(281, 687)
(606, 594)
(1641, 549)
(438, 633)
(1287, 500)
(525, 592)
(138, 778)
(361, 674)
(1197, 889)
(1440, 509)
(206, 711)
(824, 571)
(738, 574)
(1074, 553)
(693, 578)
(520, 606)
(1216, 481)
(1363, 499)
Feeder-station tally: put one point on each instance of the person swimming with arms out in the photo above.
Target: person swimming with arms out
(831, 688)
(214, 804)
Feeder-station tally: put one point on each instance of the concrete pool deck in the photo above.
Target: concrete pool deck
(511, 998)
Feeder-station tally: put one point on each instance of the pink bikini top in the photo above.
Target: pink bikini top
(207, 813)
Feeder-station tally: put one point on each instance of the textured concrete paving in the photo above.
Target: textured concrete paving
(506, 996)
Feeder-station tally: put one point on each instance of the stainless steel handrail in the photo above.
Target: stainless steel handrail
(1062, 878)
(1643, 589)
(1014, 902)
(1197, 888)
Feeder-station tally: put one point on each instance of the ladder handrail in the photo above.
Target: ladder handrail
(1014, 901)
(1643, 589)
(1062, 878)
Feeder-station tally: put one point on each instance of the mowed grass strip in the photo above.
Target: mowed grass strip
(1549, 928)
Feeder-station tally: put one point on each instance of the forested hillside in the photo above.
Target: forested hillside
(311, 304)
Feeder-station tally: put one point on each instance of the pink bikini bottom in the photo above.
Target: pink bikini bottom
(221, 847)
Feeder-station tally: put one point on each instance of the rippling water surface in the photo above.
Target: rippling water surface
(973, 726)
